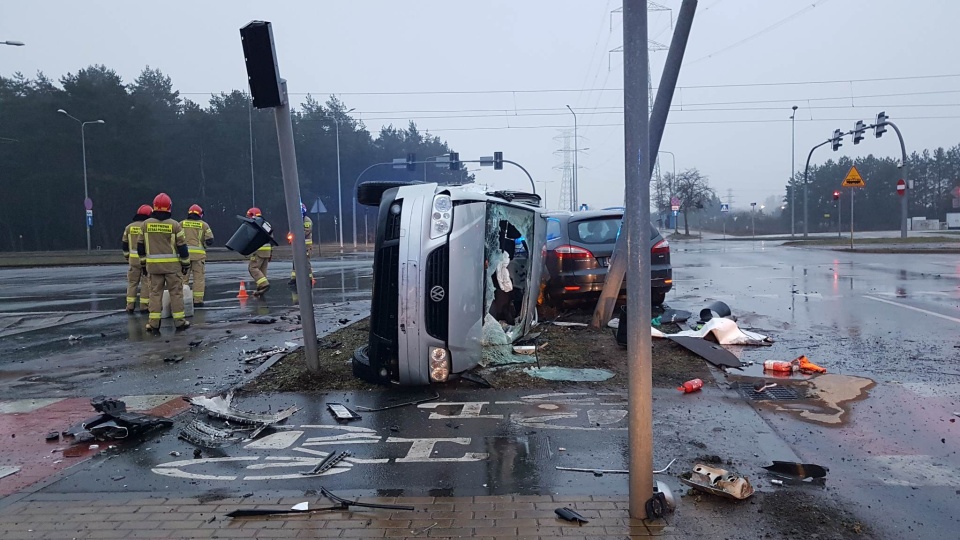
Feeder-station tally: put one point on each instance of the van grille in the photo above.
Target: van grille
(384, 304)
(437, 287)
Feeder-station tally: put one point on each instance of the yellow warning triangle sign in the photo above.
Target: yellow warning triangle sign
(853, 178)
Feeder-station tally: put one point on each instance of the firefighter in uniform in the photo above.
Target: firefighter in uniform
(259, 260)
(163, 253)
(308, 238)
(198, 236)
(131, 236)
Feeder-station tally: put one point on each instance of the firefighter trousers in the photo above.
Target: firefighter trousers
(258, 270)
(135, 278)
(198, 271)
(293, 273)
(173, 284)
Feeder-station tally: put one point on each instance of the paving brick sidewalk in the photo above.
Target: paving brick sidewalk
(434, 517)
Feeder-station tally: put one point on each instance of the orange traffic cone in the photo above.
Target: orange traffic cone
(243, 290)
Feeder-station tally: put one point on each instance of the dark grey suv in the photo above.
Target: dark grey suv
(579, 245)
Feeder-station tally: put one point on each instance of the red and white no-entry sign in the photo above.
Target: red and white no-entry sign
(901, 187)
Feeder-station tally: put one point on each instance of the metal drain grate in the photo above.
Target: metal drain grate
(777, 393)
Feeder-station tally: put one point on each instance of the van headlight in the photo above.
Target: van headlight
(442, 214)
(439, 364)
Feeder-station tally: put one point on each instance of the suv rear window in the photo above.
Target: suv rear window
(595, 231)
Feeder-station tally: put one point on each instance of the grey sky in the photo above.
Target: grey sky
(353, 47)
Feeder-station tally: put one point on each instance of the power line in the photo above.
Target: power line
(777, 24)
(570, 90)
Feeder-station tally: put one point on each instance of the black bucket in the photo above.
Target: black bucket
(252, 234)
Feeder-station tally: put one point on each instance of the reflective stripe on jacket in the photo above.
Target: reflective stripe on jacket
(131, 237)
(161, 240)
(308, 230)
(196, 233)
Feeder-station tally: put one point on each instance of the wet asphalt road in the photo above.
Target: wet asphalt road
(892, 319)
(41, 308)
(885, 326)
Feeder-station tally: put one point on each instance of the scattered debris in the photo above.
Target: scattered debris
(173, 359)
(114, 422)
(693, 385)
(73, 339)
(656, 506)
(762, 387)
(776, 482)
(553, 373)
(561, 323)
(709, 351)
(425, 529)
(328, 463)
(346, 504)
(196, 343)
(261, 354)
(220, 407)
(674, 316)
(398, 405)
(262, 320)
(806, 366)
(528, 349)
(723, 331)
(718, 309)
(174, 453)
(570, 515)
(668, 498)
(202, 434)
(324, 344)
(6, 471)
(301, 508)
(343, 321)
(797, 470)
(117, 478)
(52, 436)
(718, 482)
(342, 413)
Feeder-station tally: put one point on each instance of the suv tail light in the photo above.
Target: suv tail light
(661, 247)
(572, 252)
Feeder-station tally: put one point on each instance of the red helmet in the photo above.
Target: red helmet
(195, 209)
(162, 203)
(254, 212)
(144, 210)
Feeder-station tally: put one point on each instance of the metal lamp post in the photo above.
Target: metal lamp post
(339, 186)
(576, 166)
(793, 168)
(83, 145)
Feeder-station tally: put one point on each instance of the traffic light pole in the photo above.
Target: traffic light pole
(906, 192)
(839, 216)
(806, 168)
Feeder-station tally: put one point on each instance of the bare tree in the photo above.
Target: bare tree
(694, 191)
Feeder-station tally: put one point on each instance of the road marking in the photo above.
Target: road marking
(543, 421)
(171, 468)
(276, 441)
(421, 450)
(606, 417)
(917, 471)
(898, 304)
(470, 409)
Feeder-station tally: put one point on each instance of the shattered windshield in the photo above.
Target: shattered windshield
(507, 261)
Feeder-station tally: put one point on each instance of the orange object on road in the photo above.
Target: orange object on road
(243, 291)
(806, 366)
(779, 365)
(693, 385)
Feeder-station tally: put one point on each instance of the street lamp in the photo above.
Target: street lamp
(576, 154)
(793, 168)
(83, 146)
(339, 193)
(544, 199)
(13, 43)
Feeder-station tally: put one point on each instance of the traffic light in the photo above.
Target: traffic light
(260, 58)
(411, 162)
(858, 130)
(837, 140)
(836, 195)
(454, 161)
(498, 160)
(881, 126)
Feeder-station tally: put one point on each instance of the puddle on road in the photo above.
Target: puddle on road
(829, 399)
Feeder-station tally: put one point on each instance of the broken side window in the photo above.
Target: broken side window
(507, 269)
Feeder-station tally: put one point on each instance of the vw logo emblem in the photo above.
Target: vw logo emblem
(437, 293)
